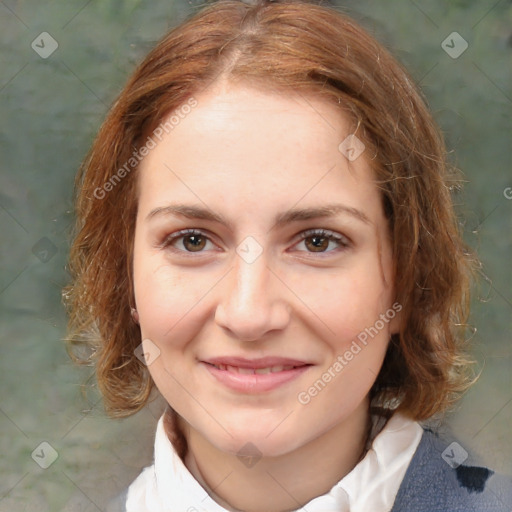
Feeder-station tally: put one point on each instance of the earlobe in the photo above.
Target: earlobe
(135, 315)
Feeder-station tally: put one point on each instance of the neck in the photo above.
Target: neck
(281, 483)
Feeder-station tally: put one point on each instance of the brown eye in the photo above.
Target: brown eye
(194, 243)
(189, 240)
(319, 241)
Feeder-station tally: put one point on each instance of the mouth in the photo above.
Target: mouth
(255, 375)
(252, 371)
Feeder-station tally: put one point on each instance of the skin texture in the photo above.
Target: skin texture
(249, 155)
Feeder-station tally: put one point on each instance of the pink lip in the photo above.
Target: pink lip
(262, 362)
(255, 383)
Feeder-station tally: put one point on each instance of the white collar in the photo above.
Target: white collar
(168, 485)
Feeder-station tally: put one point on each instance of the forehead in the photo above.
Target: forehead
(262, 152)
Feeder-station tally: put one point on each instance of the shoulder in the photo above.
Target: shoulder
(442, 478)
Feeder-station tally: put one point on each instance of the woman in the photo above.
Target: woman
(266, 234)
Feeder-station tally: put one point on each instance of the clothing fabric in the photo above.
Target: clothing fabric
(372, 485)
(407, 469)
(441, 479)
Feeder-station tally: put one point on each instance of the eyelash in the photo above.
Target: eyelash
(343, 241)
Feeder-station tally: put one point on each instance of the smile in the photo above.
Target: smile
(253, 377)
(249, 371)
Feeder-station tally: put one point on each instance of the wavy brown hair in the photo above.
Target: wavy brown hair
(309, 49)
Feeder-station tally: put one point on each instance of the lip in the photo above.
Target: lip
(262, 362)
(255, 383)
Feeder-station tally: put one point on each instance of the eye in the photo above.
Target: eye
(314, 240)
(192, 240)
(318, 240)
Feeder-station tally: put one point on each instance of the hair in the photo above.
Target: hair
(309, 49)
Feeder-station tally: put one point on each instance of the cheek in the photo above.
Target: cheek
(346, 301)
(163, 300)
(172, 302)
(168, 302)
(155, 293)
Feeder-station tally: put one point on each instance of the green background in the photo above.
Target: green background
(50, 110)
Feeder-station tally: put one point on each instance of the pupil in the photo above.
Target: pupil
(195, 241)
(316, 242)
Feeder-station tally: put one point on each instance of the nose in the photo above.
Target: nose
(253, 301)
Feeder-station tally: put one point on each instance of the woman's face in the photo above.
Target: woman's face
(282, 277)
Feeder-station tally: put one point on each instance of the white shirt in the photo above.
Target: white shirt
(168, 486)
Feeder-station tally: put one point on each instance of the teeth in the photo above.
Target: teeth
(251, 371)
(248, 371)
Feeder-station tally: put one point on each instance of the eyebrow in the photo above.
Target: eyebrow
(293, 215)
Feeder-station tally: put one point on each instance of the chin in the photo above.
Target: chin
(257, 442)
